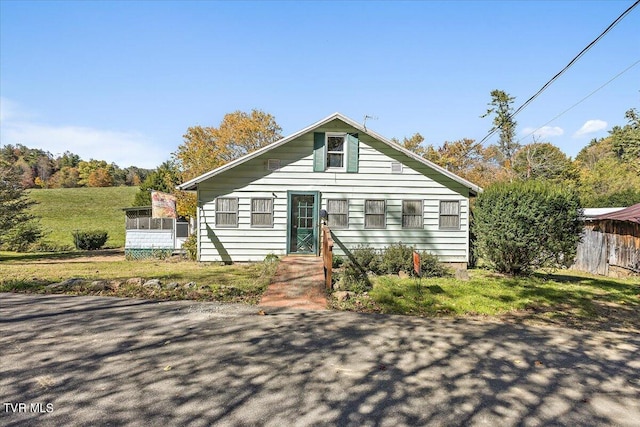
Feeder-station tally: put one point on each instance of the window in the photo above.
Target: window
(374, 214)
(412, 214)
(338, 210)
(396, 167)
(450, 215)
(226, 212)
(262, 212)
(335, 151)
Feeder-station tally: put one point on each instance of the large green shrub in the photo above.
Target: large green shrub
(397, 257)
(190, 246)
(90, 240)
(523, 226)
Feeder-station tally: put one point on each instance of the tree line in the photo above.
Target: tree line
(36, 168)
(604, 173)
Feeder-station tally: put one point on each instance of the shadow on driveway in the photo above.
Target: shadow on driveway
(113, 361)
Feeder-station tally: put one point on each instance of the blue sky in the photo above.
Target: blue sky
(122, 81)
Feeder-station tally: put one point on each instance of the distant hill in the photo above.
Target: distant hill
(64, 210)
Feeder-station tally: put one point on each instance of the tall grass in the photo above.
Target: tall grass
(65, 210)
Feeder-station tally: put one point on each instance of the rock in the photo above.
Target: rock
(462, 274)
(67, 284)
(114, 285)
(172, 285)
(403, 275)
(153, 283)
(190, 285)
(342, 295)
(97, 285)
(138, 281)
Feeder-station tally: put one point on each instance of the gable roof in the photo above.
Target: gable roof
(630, 214)
(193, 183)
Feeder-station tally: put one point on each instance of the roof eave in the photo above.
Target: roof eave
(193, 184)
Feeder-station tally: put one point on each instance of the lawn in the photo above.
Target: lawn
(563, 297)
(64, 210)
(192, 280)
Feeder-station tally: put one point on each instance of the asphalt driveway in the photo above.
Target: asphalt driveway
(107, 361)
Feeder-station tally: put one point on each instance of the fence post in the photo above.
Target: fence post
(327, 255)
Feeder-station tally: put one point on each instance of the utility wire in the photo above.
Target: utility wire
(581, 101)
(575, 58)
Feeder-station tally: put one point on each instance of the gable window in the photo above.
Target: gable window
(412, 214)
(226, 212)
(338, 210)
(450, 215)
(375, 214)
(335, 151)
(262, 212)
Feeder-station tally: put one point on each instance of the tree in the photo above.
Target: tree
(206, 148)
(17, 225)
(523, 226)
(164, 178)
(543, 160)
(625, 141)
(239, 133)
(66, 177)
(503, 122)
(414, 143)
(100, 177)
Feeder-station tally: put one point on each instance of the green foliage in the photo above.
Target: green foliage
(22, 237)
(625, 140)
(542, 160)
(523, 226)
(337, 261)
(366, 258)
(430, 265)
(16, 220)
(396, 258)
(164, 178)
(501, 107)
(271, 258)
(191, 247)
(90, 240)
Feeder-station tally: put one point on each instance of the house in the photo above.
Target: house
(146, 236)
(611, 243)
(370, 190)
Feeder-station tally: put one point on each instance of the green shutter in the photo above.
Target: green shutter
(319, 157)
(352, 153)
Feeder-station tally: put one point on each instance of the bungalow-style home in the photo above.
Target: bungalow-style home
(370, 190)
(610, 244)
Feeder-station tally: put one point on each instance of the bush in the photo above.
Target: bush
(337, 261)
(22, 237)
(396, 258)
(366, 258)
(523, 226)
(430, 266)
(191, 247)
(90, 240)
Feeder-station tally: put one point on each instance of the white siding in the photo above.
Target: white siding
(149, 239)
(374, 180)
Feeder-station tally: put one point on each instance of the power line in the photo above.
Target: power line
(582, 100)
(575, 58)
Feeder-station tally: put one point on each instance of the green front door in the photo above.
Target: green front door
(303, 221)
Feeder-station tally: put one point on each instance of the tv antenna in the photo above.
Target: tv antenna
(364, 123)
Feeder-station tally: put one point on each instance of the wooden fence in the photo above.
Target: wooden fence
(327, 255)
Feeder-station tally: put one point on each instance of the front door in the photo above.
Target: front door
(303, 223)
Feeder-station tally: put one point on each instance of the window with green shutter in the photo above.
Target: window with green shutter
(335, 152)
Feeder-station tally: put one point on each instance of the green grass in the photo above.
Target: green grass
(64, 210)
(567, 296)
(214, 282)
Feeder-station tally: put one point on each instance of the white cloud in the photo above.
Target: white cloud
(590, 126)
(123, 148)
(544, 131)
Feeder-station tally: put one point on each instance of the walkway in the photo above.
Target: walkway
(298, 283)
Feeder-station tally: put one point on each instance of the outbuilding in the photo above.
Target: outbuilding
(611, 243)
